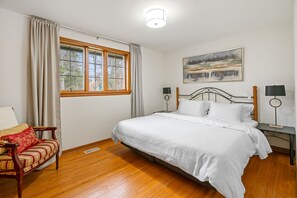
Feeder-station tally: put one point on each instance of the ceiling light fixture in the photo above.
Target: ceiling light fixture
(155, 18)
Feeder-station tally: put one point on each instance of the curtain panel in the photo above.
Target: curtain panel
(44, 86)
(137, 107)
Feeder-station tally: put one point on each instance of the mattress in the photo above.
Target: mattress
(210, 150)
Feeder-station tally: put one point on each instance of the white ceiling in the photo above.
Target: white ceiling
(188, 21)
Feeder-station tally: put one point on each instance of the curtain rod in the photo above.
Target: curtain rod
(93, 34)
(85, 32)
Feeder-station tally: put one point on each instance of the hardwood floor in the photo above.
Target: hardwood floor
(116, 171)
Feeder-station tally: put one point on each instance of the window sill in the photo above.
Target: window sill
(93, 93)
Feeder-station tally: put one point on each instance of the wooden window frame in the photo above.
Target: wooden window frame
(105, 51)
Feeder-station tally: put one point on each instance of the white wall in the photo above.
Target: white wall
(153, 80)
(14, 47)
(84, 119)
(268, 60)
(89, 119)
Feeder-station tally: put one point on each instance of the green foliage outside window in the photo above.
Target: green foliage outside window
(71, 68)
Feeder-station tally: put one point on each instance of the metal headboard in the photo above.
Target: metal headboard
(207, 92)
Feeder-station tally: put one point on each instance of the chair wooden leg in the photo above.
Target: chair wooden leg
(19, 179)
(57, 161)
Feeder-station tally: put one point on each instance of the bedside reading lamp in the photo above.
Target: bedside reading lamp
(275, 90)
(166, 93)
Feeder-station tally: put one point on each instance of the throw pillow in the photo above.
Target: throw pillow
(13, 130)
(25, 139)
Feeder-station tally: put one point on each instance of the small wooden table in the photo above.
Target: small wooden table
(285, 130)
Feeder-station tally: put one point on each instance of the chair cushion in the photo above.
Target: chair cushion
(31, 157)
(25, 139)
(13, 130)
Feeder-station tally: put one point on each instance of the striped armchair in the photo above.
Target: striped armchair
(15, 164)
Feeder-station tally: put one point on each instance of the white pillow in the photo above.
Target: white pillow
(247, 109)
(192, 107)
(225, 112)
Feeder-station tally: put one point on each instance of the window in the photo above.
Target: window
(116, 71)
(95, 71)
(87, 69)
(71, 68)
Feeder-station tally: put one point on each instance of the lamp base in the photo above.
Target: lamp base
(276, 126)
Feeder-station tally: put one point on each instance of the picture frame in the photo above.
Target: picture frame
(221, 66)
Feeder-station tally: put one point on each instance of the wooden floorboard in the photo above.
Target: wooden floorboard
(116, 171)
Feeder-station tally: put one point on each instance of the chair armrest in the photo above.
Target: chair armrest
(44, 128)
(14, 155)
(11, 145)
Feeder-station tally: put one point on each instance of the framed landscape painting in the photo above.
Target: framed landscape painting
(220, 66)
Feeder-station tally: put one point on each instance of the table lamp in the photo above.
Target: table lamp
(275, 90)
(166, 93)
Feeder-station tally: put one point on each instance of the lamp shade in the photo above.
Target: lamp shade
(275, 90)
(166, 90)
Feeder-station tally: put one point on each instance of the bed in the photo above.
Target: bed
(210, 142)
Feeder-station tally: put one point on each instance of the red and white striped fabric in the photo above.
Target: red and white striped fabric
(31, 157)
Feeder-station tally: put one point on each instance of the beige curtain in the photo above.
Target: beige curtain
(137, 107)
(44, 91)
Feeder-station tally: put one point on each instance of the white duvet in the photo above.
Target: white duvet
(209, 150)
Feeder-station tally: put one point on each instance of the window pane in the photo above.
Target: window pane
(95, 56)
(92, 73)
(111, 61)
(119, 72)
(65, 53)
(92, 66)
(119, 62)
(96, 84)
(77, 69)
(119, 84)
(99, 84)
(99, 59)
(91, 70)
(95, 70)
(91, 58)
(77, 83)
(99, 71)
(116, 72)
(64, 68)
(92, 84)
(77, 54)
(111, 72)
(65, 82)
(111, 84)
(71, 68)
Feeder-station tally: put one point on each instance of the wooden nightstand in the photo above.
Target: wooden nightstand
(286, 130)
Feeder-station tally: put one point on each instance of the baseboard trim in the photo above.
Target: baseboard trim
(274, 148)
(83, 146)
(280, 149)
